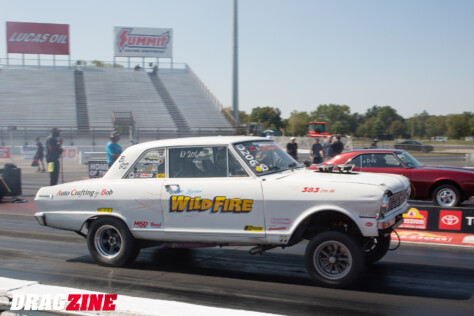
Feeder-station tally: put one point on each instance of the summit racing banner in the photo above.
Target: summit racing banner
(143, 42)
(37, 38)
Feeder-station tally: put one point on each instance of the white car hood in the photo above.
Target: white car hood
(393, 182)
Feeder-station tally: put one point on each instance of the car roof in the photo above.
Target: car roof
(196, 141)
(382, 150)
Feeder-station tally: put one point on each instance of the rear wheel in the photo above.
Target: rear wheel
(447, 195)
(110, 242)
(334, 259)
(375, 248)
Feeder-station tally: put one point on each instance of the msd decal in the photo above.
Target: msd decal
(140, 224)
(61, 302)
(450, 220)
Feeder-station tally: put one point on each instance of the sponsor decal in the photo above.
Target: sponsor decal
(450, 220)
(422, 236)
(251, 159)
(253, 228)
(470, 220)
(155, 225)
(104, 210)
(146, 175)
(283, 239)
(69, 153)
(140, 224)
(277, 228)
(160, 175)
(316, 190)
(61, 302)
(4, 152)
(97, 169)
(143, 42)
(28, 152)
(37, 38)
(280, 220)
(369, 224)
(127, 39)
(181, 203)
(468, 240)
(85, 193)
(415, 218)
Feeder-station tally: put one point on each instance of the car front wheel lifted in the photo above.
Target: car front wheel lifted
(334, 259)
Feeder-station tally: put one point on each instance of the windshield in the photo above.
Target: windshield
(265, 157)
(408, 160)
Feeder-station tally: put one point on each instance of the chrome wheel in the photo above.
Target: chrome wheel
(108, 241)
(446, 197)
(332, 260)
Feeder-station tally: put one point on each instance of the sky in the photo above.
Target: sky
(413, 55)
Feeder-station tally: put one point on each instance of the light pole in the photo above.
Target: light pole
(235, 75)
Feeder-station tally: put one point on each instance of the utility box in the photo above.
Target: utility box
(10, 180)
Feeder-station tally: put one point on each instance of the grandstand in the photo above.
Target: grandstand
(90, 100)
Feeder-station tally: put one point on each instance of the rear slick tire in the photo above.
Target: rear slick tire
(110, 242)
(334, 259)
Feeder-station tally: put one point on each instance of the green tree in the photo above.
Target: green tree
(332, 113)
(297, 124)
(435, 126)
(458, 125)
(269, 116)
(398, 129)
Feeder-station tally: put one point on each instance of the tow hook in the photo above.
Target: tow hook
(260, 249)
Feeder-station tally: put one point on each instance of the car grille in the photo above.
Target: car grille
(397, 199)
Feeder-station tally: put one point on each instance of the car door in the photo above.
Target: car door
(141, 201)
(208, 196)
(380, 163)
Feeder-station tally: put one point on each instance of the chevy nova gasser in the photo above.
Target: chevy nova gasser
(221, 191)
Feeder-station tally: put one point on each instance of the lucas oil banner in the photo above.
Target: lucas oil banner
(37, 38)
(143, 42)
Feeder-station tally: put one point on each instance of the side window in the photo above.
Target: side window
(150, 165)
(357, 161)
(198, 162)
(379, 161)
(392, 162)
(235, 168)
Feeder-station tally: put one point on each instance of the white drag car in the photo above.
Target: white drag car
(222, 191)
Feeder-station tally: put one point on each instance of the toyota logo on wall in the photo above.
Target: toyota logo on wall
(450, 220)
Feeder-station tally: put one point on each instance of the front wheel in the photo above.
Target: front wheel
(375, 248)
(110, 242)
(446, 195)
(334, 259)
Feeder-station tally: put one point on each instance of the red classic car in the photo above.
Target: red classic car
(446, 186)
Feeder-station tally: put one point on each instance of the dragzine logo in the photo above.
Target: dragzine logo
(129, 40)
(61, 302)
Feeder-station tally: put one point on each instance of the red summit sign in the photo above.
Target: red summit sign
(37, 38)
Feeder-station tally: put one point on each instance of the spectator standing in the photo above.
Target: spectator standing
(292, 148)
(316, 151)
(39, 154)
(327, 148)
(53, 152)
(113, 148)
(337, 146)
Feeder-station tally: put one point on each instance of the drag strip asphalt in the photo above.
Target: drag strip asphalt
(413, 280)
